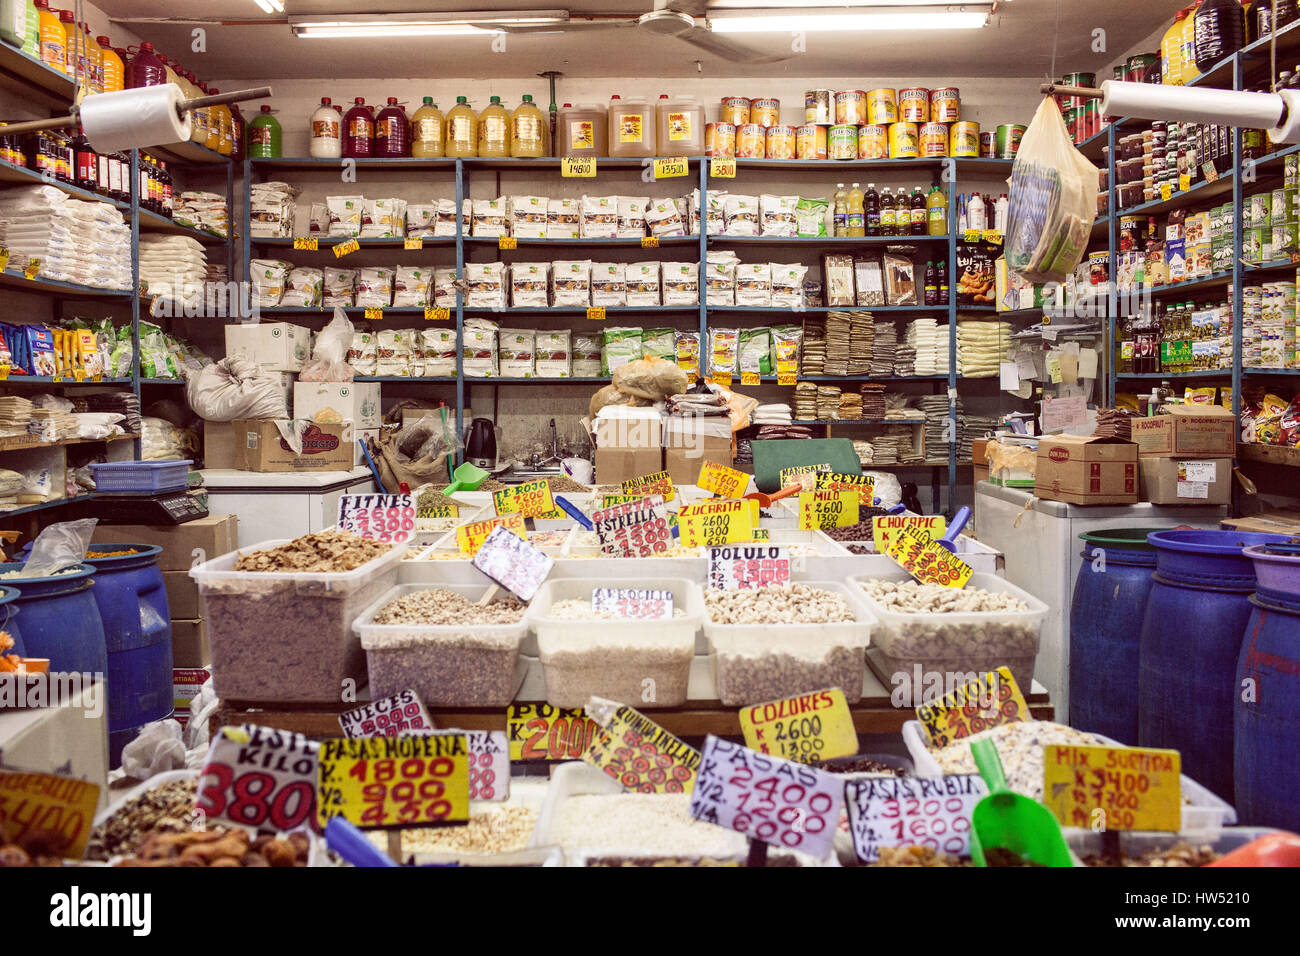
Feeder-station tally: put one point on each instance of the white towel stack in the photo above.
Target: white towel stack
(87, 243)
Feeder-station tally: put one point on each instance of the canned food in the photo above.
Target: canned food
(1278, 207)
(719, 139)
(850, 108)
(780, 142)
(750, 140)
(904, 141)
(945, 105)
(1284, 239)
(988, 146)
(765, 111)
(1252, 245)
(818, 107)
(1008, 140)
(1098, 268)
(1130, 233)
(933, 139)
(964, 140)
(810, 142)
(1258, 210)
(1291, 170)
(873, 142)
(882, 107)
(842, 142)
(1138, 68)
(914, 105)
(735, 110)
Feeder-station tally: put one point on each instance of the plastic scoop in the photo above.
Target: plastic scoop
(351, 844)
(574, 512)
(949, 539)
(466, 478)
(1011, 823)
(765, 500)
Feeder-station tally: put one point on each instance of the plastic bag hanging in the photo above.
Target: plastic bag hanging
(58, 547)
(1053, 200)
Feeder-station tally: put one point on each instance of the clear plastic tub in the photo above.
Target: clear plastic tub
(282, 636)
(448, 665)
(753, 663)
(645, 664)
(1086, 842)
(946, 643)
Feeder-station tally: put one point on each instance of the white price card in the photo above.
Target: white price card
(766, 798)
(744, 567)
(921, 811)
(634, 529)
(403, 713)
(645, 604)
(381, 517)
(260, 777)
(513, 563)
(489, 764)
(1197, 471)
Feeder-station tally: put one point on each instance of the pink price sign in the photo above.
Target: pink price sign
(260, 777)
(380, 517)
(403, 713)
(741, 568)
(643, 604)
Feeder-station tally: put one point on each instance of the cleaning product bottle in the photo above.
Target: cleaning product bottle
(462, 129)
(976, 219)
(145, 69)
(1171, 52)
(358, 131)
(631, 127)
(325, 127)
(53, 38)
(71, 45)
(840, 211)
(582, 130)
(94, 61)
(1000, 210)
(238, 133)
(1220, 29)
(679, 126)
(392, 132)
(264, 135)
(112, 66)
(527, 129)
(427, 130)
(856, 221)
(494, 129)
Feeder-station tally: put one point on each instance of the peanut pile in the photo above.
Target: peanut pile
(441, 606)
(795, 604)
(324, 551)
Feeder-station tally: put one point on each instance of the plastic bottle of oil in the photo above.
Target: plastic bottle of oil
(840, 211)
(936, 212)
(494, 129)
(94, 61)
(857, 225)
(462, 129)
(112, 66)
(528, 129)
(582, 130)
(428, 130)
(631, 127)
(1171, 51)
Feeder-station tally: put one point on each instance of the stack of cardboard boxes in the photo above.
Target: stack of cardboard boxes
(645, 443)
(1185, 455)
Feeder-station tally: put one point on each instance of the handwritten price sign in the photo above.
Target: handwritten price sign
(489, 764)
(513, 563)
(927, 560)
(715, 523)
(260, 777)
(864, 485)
(722, 481)
(380, 517)
(470, 537)
(637, 752)
(395, 781)
(642, 604)
(805, 728)
(828, 509)
(885, 527)
(912, 811)
(657, 484)
(634, 529)
(746, 568)
(402, 713)
(532, 499)
(346, 248)
(992, 699)
(805, 476)
(42, 808)
(542, 732)
(1122, 788)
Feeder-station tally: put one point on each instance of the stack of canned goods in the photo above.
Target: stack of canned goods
(1268, 325)
(1272, 219)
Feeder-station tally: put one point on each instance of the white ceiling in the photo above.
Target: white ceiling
(241, 41)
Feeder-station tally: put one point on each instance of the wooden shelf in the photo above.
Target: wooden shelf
(1288, 455)
(22, 443)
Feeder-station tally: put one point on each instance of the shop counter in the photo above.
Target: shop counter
(282, 504)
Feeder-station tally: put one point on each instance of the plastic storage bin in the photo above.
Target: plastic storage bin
(1086, 842)
(958, 642)
(448, 665)
(142, 476)
(628, 661)
(753, 663)
(284, 636)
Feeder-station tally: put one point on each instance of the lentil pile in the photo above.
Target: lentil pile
(561, 484)
(433, 498)
(165, 806)
(491, 484)
(498, 829)
(324, 551)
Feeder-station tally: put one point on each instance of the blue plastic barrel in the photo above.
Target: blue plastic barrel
(1266, 718)
(9, 620)
(138, 636)
(1191, 635)
(60, 619)
(1110, 599)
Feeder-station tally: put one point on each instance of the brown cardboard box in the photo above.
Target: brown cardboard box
(619, 464)
(1281, 521)
(1086, 470)
(261, 448)
(213, 536)
(190, 644)
(219, 445)
(980, 469)
(182, 595)
(1160, 481)
(1187, 431)
(689, 443)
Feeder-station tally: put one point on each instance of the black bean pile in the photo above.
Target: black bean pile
(860, 531)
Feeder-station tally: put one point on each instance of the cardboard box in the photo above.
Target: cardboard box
(1087, 470)
(1187, 431)
(186, 684)
(688, 443)
(619, 464)
(356, 402)
(219, 445)
(1281, 521)
(70, 739)
(182, 595)
(190, 646)
(261, 447)
(640, 431)
(980, 468)
(183, 545)
(274, 346)
(1179, 481)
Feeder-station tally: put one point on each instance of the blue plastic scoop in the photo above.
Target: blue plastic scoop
(949, 539)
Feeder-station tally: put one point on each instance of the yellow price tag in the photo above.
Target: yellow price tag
(596, 313)
(33, 269)
(406, 781)
(309, 245)
(543, 732)
(991, 699)
(1184, 182)
(437, 315)
(992, 236)
(97, 377)
(828, 509)
(722, 481)
(970, 235)
(56, 379)
(721, 378)
(346, 248)
(649, 242)
(805, 476)
(470, 537)
(715, 522)
(884, 527)
(374, 312)
(608, 501)
(927, 560)
(46, 809)
(582, 168)
(438, 511)
(1120, 788)
(671, 168)
(805, 728)
(507, 242)
(532, 499)
(4, 372)
(4, 258)
(638, 753)
(413, 243)
(1166, 191)
(657, 484)
(785, 378)
(750, 378)
(79, 374)
(722, 167)
(864, 485)
(762, 534)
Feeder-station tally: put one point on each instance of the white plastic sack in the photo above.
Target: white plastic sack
(329, 354)
(157, 749)
(235, 388)
(59, 546)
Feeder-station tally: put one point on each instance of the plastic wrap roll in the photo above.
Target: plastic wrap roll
(130, 119)
(1191, 104)
(1288, 129)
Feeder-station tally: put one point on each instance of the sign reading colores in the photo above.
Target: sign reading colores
(542, 732)
(992, 699)
(419, 780)
(1134, 788)
(260, 777)
(912, 811)
(637, 752)
(46, 809)
(804, 728)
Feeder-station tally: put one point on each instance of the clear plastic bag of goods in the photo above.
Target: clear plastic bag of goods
(777, 214)
(680, 283)
(723, 350)
(664, 219)
(486, 285)
(235, 388)
(587, 349)
(632, 216)
(755, 353)
(1053, 192)
(438, 347)
(742, 215)
(529, 285)
(375, 286)
(58, 547)
(720, 276)
(571, 282)
(564, 219)
(642, 282)
(610, 395)
(754, 284)
(659, 344)
(651, 379)
(340, 287)
(363, 353)
(619, 345)
(787, 285)
(429, 437)
(346, 213)
(516, 352)
(608, 285)
(304, 288)
(329, 353)
(599, 217)
(395, 352)
(490, 218)
(528, 216)
(554, 353)
(411, 287)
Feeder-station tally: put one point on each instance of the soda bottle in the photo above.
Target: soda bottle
(392, 133)
(871, 209)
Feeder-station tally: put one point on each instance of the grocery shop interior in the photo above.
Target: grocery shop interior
(449, 435)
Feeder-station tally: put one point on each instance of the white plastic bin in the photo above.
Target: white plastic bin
(286, 636)
(448, 665)
(1086, 842)
(645, 664)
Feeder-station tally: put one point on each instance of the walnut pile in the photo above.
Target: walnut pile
(324, 551)
(168, 806)
(912, 597)
(795, 604)
(218, 846)
(441, 606)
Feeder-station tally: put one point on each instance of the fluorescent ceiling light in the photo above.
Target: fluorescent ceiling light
(827, 22)
(847, 6)
(265, 5)
(379, 30)
(422, 24)
(278, 4)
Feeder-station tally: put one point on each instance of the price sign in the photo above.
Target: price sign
(413, 243)
(743, 568)
(532, 499)
(346, 248)
(47, 811)
(804, 728)
(1166, 191)
(912, 811)
(395, 781)
(78, 375)
(715, 523)
(260, 777)
(722, 481)
(649, 242)
(1184, 182)
(643, 604)
(306, 245)
(722, 167)
(786, 376)
(375, 312)
(864, 485)
(97, 377)
(637, 752)
(828, 509)
(988, 701)
(762, 534)
(507, 242)
(403, 713)
(607, 501)
(4, 258)
(4, 372)
(56, 379)
(970, 235)
(657, 484)
(803, 475)
(992, 236)
(671, 168)
(767, 798)
(885, 527)
(513, 563)
(379, 517)
(634, 529)
(596, 313)
(927, 560)
(750, 378)
(584, 168)
(542, 732)
(1118, 788)
(489, 764)
(470, 537)
(33, 268)
(437, 315)
(438, 511)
